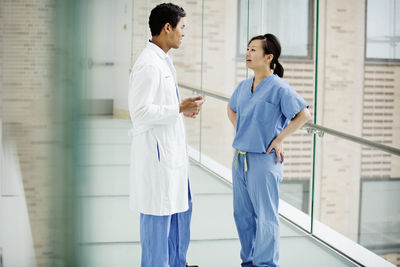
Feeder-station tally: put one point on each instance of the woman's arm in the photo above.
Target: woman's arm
(299, 120)
(232, 116)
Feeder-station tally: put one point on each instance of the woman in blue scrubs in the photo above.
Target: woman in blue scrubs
(264, 110)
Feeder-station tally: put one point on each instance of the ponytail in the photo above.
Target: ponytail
(278, 69)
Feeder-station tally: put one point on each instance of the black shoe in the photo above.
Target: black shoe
(191, 265)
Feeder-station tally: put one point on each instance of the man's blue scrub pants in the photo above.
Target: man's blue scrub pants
(165, 239)
(255, 206)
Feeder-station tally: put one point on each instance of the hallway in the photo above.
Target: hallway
(108, 232)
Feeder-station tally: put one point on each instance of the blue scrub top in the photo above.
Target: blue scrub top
(262, 115)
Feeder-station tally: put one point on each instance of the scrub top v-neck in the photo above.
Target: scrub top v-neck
(264, 113)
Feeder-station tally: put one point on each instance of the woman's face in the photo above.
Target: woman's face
(255, 57)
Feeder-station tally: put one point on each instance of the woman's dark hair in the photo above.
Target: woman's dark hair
(164, 13)
(271, 45)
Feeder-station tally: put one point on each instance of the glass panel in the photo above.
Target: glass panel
(221, 74)
(217, 133)
(39, 103)
(356, 96)
(297, 179)
(193, 126)
(379, 218)
(71, 171)
(282, 17)
(111, 39)
(278, 17)
(356, 189)
(299, 146)
(188, 63)
(243, 27)
(298, 167)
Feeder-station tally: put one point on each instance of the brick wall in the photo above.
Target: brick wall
(381, 120)
(26, 56)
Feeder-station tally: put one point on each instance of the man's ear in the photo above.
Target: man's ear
(167, 27)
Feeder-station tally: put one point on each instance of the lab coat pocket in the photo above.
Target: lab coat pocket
(170, 153)
(175, 155)
(155, 151)
(265, 112)
(158, 152)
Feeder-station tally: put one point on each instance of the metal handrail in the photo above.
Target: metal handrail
(310, 127)
(315, 128)
(211, 93)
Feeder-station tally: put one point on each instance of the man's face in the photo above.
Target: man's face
(176, 35)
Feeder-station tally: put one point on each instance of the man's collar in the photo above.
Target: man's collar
(157, 49)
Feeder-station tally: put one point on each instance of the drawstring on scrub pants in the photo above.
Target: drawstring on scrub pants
(245, 158)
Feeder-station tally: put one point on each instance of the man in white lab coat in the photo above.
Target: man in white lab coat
(159, 187)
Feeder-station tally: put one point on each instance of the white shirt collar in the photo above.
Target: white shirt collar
(157, 49)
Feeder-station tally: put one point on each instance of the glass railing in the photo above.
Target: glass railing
(355, 193)
(342, 173)
(338, 187)
(344, 67)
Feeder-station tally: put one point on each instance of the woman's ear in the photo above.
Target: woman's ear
(268, 58)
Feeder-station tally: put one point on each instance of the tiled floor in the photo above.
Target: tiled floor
(109, 231)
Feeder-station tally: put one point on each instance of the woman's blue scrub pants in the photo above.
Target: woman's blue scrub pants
(165, 239)
(255, 207)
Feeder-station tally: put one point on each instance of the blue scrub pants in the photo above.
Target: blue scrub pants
(255, 207)
(165, 239)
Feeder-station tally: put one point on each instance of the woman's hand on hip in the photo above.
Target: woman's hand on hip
(277, 145)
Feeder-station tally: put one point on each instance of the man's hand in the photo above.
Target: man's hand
(191, 106)
(190, 115)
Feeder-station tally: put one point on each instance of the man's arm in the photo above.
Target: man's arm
(142, 92)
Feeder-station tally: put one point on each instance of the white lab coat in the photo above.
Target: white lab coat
(159, 162)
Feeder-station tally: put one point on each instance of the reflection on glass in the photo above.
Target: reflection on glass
(279, 18)
(296, 193)
(379, 216)
(383, 29)
(217, 133)
(357, 189)
(192, 125)
(359, 206)
(188, 63)
(297, 174)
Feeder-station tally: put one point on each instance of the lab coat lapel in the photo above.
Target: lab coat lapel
(173, 72)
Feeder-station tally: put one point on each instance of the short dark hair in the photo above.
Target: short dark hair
(164, 13)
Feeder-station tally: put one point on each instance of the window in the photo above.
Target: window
(379, 228)
(290, 20)
(383, 30)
